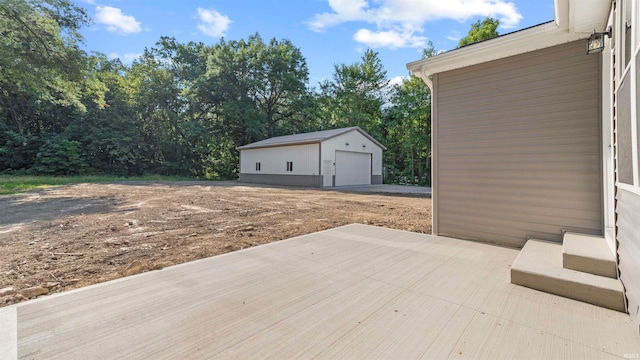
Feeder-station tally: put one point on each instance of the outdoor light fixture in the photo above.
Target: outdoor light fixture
(595, 42)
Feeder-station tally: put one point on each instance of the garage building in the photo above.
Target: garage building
(338, 157)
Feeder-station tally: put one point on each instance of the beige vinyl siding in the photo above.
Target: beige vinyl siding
(517, 149)
(628, 226)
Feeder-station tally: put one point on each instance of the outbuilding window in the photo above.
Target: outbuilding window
(257, 166)
(289, 165)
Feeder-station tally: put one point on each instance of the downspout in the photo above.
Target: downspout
(422, 74)
(561, 13)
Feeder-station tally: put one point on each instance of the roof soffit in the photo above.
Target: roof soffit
(574, 20)
(587, 16)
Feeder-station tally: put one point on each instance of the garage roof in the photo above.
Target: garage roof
(306, 138)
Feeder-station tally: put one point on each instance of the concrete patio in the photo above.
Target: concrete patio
(421, 191)
(352, 292)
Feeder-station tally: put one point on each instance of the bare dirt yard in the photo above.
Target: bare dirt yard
(67, 237)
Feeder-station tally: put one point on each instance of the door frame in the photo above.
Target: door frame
(327, 173)
(608, 161)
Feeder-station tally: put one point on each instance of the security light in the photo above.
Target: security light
(595, 42)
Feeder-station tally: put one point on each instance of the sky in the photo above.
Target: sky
(328, 32)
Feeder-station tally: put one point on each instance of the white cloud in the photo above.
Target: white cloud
(125, 58)
(390, 39)
(398, 21)
(116, 21)
(396, 81)
(212, 23)
(344, 10)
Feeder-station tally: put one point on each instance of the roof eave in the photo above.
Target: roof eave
(288, 143)
(574, 20)
(535, 38)
(312, 141)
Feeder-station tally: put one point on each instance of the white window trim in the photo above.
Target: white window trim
(631, 70)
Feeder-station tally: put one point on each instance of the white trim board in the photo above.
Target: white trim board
(574, 20)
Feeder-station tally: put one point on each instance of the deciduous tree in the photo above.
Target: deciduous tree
(40, 60)
(356, 94)
(480, 31)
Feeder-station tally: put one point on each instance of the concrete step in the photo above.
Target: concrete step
(588, 253)
(539, 266)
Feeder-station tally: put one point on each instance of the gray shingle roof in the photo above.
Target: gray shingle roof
(312, 137)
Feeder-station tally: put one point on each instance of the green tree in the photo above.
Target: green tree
(261, 85)
(158, 107)
(60, 156)
(226, 90)
(110, 135)
(356, 94)
(40, 60)
(480, 31)
(407, 129)
(192, 127)
(251, 90)
(281, 77)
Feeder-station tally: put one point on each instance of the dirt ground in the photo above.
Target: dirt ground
(67, 237)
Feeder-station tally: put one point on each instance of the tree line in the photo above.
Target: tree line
(183, 108)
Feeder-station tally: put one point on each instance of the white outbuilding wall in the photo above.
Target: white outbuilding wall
(273, 160)
(325, 158)
(356, 141)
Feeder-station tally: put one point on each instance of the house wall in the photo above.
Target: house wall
(273, 165)
(517, 149)
(628, 226)
(355, 140)
(626, 67)
(285, 180)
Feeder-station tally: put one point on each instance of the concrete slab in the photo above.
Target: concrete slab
(386, 189)
(588, 253)
(352, 292)
(539, 266)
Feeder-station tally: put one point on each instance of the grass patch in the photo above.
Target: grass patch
(13, 184)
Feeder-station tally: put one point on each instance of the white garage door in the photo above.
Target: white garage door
(353, 168)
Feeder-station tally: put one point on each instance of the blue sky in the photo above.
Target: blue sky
(328, 32)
